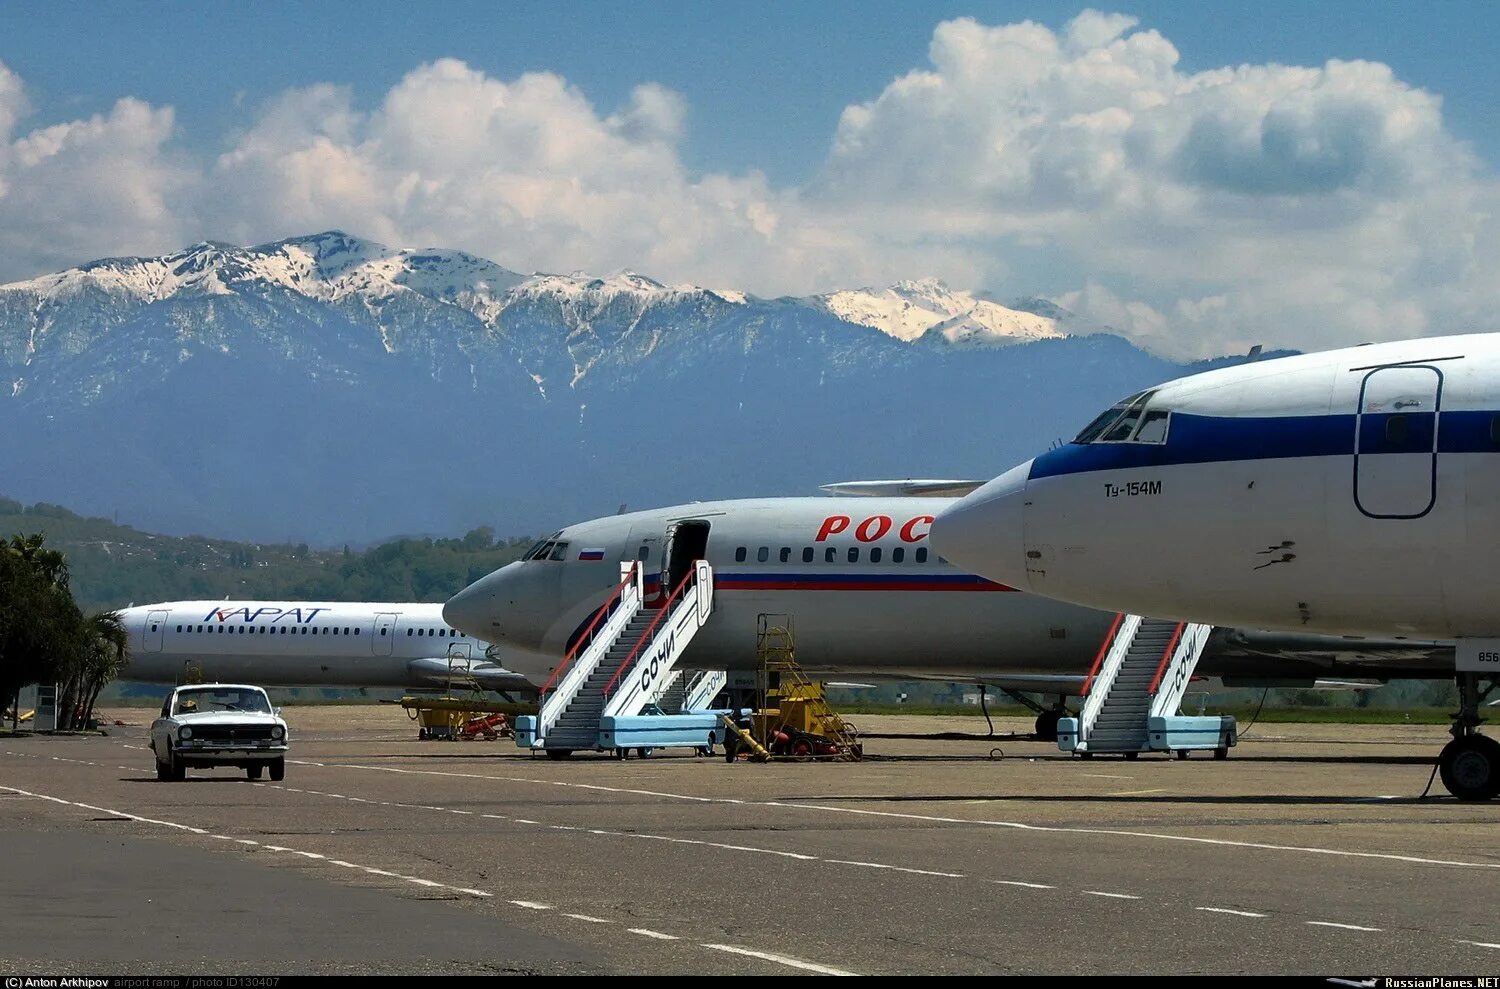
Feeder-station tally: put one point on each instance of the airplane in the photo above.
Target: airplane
(302, 643)
(1349, 492)
(868, 597)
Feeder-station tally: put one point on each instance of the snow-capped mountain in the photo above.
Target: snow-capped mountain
(328, 388)
(927, 308)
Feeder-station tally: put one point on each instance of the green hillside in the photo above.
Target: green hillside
(115, 565)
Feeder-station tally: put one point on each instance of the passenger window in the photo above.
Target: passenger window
(830, 555)
(1153, 427)
(921, 554)
(421, 631)
(408, 632)
(179, 628)
(786, 554)
(874, 554)
(807, 554)
(853, 554)
(763, 554)
(739, 554)
(898, 555)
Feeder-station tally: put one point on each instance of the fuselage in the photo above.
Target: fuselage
(1352, 492)
(301, 643)
(865, 591)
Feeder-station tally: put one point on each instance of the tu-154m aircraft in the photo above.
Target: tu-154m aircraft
(300, 643)
(1355, 491)
(868, 596)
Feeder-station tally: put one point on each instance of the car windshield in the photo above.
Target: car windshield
(209, 699)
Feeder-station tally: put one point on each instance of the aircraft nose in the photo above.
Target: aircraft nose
(475, 610)
(983, 531)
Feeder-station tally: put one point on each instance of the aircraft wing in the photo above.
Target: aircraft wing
(909, 488)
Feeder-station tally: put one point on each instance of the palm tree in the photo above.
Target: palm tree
(108, 651)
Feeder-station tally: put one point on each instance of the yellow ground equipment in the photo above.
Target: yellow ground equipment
(450, 717)
(793, 719)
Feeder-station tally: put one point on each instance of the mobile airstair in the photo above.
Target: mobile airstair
(620, 667)
(691, 690)
(1133, 694)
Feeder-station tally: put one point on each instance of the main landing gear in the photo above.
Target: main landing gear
(1470, 764)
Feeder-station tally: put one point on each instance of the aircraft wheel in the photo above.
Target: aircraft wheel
(559, 753)
(253, 772)
(1046, 725)
(278, 770)
(1470, 767)
(644, 753)
(1132, 755)
(1222, 752)
(1182, 753)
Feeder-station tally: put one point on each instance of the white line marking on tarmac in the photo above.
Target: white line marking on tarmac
(897, 868)
(1017, 882)
(648, 932)
(937, 819)
(245, 841)
(1112, 896)
(532, 904)
(1345, 927)
(586, 917)
(779, 959)
(1480, 944)
(1237, 913)
(1106, 776)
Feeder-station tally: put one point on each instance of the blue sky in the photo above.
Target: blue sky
(765, 90)
(1196, 175)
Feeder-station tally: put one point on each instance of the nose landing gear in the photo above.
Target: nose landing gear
(1470, 764)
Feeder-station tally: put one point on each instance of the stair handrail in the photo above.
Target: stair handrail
(1109, 668)
(587, 638)
(1109, 640)
(635, 652)
(1167, 696)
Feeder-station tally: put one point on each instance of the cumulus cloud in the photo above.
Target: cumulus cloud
(1197, 212)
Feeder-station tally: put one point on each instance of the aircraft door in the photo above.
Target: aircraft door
(1395, 452)
(156, 630)
(383, 635)
(686, 541)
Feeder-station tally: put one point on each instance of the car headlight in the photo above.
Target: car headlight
(278, 732)
(185, 732)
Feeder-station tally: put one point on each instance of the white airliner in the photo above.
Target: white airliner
(1355, 491)
(868, 597)
(302, 643)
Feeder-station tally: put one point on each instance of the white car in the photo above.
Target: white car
(219, 724)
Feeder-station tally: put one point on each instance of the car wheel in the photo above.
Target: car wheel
(278, 770)
(253, 771)
(163, 771)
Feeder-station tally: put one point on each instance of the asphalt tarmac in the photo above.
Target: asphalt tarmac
(1307, 851)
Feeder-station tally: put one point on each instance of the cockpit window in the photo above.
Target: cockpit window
(544, 549)
(1129, 421)
(1095, 429)
(559, 551)
(1153, 428)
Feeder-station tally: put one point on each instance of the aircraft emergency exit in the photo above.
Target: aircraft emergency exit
(1351, 492)
(301, 643)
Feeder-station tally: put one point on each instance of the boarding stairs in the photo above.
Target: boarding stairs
(691, 690)
(624, 660)
(1134, 691)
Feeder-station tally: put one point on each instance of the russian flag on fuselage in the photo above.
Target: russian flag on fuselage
(591, 554)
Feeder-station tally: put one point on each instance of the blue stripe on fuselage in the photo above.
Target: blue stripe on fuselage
(1195, 439)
